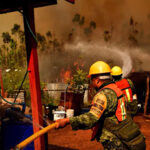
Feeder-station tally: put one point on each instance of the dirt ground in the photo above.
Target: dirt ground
(66, 139)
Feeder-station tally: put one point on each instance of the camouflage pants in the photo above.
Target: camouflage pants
(110, 141)
(114, 144)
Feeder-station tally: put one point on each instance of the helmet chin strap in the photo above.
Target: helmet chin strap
(98, 81)
(98, 84)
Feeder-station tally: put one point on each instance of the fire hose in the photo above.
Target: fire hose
(34, 136)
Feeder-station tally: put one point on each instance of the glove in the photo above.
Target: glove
(62, 123)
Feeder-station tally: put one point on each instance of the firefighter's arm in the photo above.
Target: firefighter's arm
(133, 90)
(62, 123)
(87, 120)
(99, 105)
(132, 86)
(134, 104)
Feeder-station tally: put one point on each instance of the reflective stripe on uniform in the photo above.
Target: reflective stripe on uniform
(121, 110)
(126, 88)
(128, 95)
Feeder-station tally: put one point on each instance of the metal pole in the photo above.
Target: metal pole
(32, 60)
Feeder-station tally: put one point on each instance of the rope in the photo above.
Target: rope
(27, 23)
(10, 102)
(14, 103)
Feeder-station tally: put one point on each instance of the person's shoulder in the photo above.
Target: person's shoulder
(130, 81)
(107, 91)
(111, 98)
(100, 96)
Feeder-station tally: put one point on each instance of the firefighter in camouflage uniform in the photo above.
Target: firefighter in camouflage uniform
(107, 116)
(126, 85)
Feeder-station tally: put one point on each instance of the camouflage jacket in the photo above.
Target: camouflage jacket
(88, 120)
(132, 86)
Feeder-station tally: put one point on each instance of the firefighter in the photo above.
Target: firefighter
(126, 85)
(107, 116)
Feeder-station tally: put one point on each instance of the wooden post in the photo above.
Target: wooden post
(32, 60)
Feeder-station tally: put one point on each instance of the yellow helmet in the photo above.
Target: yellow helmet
(99, 67)
(116, 71)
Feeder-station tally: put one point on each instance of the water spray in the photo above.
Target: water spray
(126, 61)
(103, 52)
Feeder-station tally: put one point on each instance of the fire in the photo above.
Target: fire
(66, 75)
(78, 64)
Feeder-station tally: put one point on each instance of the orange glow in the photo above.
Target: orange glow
(78, 64)
(65, 75)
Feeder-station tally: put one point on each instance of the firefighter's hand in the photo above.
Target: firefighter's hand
(62, 123)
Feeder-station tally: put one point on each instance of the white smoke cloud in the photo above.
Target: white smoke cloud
(113, 55)
(126, 61)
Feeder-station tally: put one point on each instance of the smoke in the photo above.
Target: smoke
(140, 57)
(87, 53)
(126, 61)
(106, 14)
(113, 55)
(113, 16)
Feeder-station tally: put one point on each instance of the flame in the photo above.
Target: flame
(78, 64)
(66, 75)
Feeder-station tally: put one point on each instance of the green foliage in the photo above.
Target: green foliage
(134, 32)
(13, 56)
(12, 79)
(93, 24)
(6, 37)
(82, 20)
(107, 35)
(15, 29)
(41, 41)
(47, 99)
(87, 31)
(13, 52)
(49, 34)
(22, 37)
(13, 44)
(76, 18)
(79, 79)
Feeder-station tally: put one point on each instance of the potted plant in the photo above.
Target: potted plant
(79, 81)
(75, 92)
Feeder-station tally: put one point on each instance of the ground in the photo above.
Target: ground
(66, 139)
